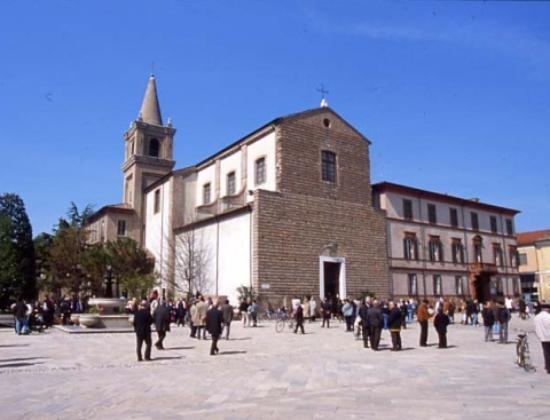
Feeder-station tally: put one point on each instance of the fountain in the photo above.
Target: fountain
(109, 314)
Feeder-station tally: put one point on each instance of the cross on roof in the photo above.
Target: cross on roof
(323, 91)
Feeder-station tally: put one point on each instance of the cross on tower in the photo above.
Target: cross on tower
(323, 92)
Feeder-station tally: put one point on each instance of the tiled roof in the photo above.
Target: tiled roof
(529, 238)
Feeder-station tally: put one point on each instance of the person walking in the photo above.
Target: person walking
(299, 318)
(312, 309)
(243, 310)
(180, 313)
(162, 323)
(542, 329)
(395, 321)
(326, 309)
(364, 315)
(200, 317)
(503, 319)
(375, 321)
(488, 321)
(347, 312)
(423, 315)
(441, 321)
(227, 312)
(253, 314)
(142, 328)
(20, 314)
(214, 326)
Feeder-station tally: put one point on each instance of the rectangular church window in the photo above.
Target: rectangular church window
(157, 201)
(231, 187)
(259, 173)
(437, 285)
(206, 193)
(121, 228)
(413, 287)
(328, 166)
(432, 214)
(454, 217)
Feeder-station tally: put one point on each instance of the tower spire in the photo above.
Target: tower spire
(150, 108)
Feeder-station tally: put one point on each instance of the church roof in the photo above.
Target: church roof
(279, 120)
(112, 208)
(150, 108)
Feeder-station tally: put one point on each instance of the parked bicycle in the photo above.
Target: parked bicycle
(283, 320)
(523, 357)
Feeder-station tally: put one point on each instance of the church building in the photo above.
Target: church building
(288, 210)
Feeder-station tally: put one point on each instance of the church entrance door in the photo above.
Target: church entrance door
(332, 277)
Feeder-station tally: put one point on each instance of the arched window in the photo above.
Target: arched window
(154, 148)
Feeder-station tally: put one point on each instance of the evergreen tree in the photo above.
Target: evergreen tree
(18, 248)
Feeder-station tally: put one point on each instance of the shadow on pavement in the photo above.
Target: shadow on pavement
(13, 345)
(20, 359)
(232, 352)
(22, 364)
(154, 359)
(179, 348)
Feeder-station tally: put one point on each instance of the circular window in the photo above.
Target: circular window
(326, 122)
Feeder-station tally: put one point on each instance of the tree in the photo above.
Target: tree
(18, 248)
(192, 259)
(131, 266)
(8, 263)
(67, 253)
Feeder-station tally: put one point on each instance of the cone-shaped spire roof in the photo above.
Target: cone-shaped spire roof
(150, 108)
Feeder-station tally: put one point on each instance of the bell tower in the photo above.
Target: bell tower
(148, 153)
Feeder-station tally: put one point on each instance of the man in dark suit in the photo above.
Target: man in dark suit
(142, 328)
(299, 318)
(375, 321)
(214, 326)
(162, 323)
(364, 315)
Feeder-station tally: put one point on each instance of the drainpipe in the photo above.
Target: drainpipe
(423, 236)
(217, 253)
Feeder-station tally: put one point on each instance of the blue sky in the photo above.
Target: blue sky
(455, 96)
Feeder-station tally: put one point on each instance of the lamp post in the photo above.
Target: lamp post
(109, 282)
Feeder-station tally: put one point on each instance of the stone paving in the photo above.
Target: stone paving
(262, 374)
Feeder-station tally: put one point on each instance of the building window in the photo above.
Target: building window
(437, 285)
(435, 247)
(432, 213)
(410, 246)
(413, 286)
(478, 249)
(453, 213)
(515, 287)
(259, 173)
(408, 209)
(121, 228)
(513, 256)
(509, 227)
(457, 249)
(494, 228)
(497, 255)
(231, 187)
(154, 148)
(157, 201)
(328, 163)
(500, 286)
(206, 193)
(475, 220)
(522, 259)
(459, 286)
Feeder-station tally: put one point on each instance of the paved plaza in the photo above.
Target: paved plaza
(262, 374)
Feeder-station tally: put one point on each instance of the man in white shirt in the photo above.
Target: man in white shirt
(542, 329)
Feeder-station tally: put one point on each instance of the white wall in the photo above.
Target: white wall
(228, 246)
(158, 228)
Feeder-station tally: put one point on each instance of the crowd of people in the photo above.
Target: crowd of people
(366, 318)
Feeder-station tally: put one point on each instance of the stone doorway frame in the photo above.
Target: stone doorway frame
(342, 289)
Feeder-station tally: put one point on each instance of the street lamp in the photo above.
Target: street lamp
(109, 282)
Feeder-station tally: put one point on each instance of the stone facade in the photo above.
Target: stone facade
(309, 218)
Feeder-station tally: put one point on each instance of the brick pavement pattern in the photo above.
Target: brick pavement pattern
(262, 374)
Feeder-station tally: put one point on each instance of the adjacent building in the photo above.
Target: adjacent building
(534, 264)
(440, 245)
